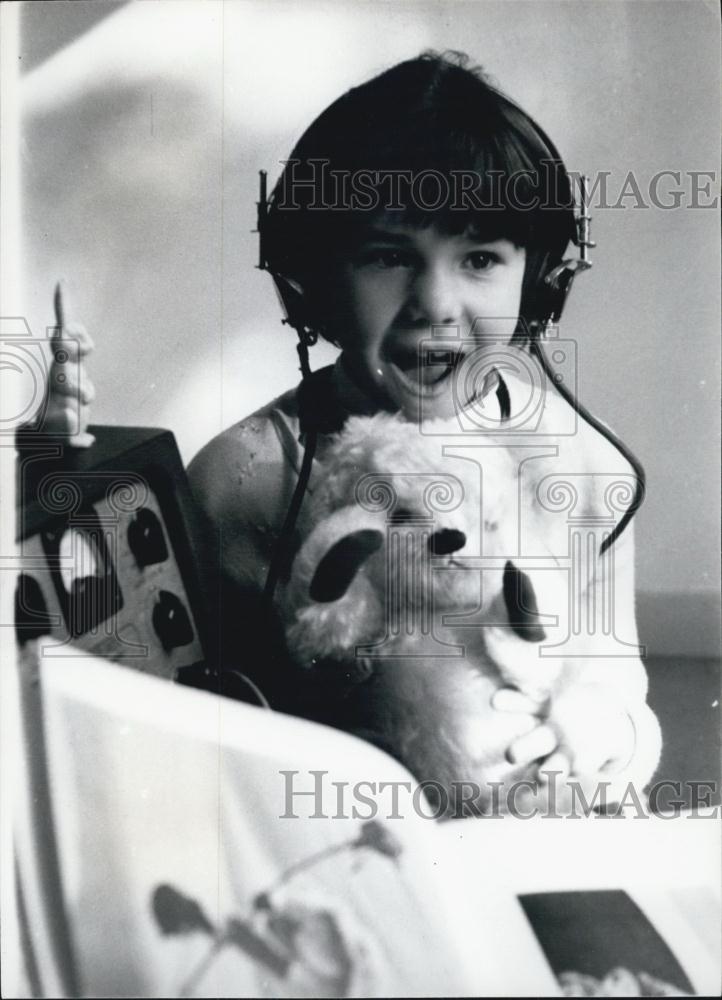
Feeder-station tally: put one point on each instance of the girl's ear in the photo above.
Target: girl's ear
(337, 569)
(521, 605)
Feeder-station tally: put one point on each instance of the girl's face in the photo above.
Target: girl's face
(400, 285)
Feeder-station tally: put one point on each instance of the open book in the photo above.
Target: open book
(172, 843)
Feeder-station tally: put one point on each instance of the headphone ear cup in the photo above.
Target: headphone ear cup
(534, 297)
(294, 302)
(540, 300)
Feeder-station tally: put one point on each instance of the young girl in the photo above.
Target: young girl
(422, 200)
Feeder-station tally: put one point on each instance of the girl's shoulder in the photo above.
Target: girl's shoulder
(243, 454)
(242, 458)
(242, 481)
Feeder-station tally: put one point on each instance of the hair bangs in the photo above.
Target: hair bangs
(428, 142)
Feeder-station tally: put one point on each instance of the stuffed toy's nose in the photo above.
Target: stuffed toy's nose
(521, 606)
(446, 541)
(336, 571)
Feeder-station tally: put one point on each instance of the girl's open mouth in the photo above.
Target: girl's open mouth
(427, 372)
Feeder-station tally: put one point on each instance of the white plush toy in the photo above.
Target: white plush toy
(410, 597)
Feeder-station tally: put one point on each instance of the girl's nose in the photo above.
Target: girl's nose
(433, 297)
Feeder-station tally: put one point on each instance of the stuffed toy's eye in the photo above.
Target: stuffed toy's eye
(446, 541)
(521, 606)
(335, 573)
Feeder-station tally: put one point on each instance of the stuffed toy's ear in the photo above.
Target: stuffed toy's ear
(445, 541)
(335, 598)
(521, 604)
(337, 569)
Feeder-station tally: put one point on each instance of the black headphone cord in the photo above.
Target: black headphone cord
(281, 550)
(537, 349)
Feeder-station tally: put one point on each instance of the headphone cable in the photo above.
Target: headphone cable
(537, 349)
(279, 560)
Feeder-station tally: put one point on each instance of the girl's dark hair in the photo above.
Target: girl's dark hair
(428, 141)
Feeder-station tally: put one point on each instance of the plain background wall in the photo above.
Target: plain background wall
(142, 141)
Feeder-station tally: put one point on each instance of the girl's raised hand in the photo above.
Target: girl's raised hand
(70, 391)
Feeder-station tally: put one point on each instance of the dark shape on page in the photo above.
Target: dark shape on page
(239, 933)
(262, 902)
(313, 939)
(178, 914)
(376, 836)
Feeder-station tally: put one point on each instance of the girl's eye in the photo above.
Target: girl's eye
(481, 260)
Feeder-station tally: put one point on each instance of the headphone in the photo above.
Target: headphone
(547, 283)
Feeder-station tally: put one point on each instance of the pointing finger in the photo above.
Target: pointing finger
(59, 300)
(65, 327)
